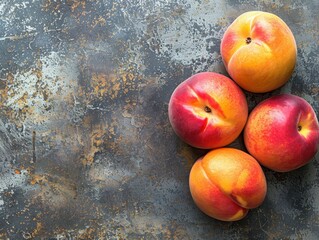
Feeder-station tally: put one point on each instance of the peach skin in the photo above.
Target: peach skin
(282, 132)
(226, 183)
(259, 51)
(208, 110)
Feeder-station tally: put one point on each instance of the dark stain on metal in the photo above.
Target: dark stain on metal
(33, 147)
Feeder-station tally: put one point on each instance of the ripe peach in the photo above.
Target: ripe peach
(259, 51)
(208, 110)
(282, 132)
(226, 182)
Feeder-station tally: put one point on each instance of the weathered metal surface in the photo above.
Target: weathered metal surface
(86, 148)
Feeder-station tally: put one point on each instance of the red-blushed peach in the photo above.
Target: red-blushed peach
(208, 110)
(282, 132)
(259, 51)
(226, 183)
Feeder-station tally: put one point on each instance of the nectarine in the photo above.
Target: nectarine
(208, 110)
(259, 51)
(226, 182)
(282, 132)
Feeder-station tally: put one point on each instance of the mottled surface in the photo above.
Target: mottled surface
(87, 151)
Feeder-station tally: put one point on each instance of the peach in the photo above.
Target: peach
(259, 51)
(226, 183)
(208, 110)
(282, 132)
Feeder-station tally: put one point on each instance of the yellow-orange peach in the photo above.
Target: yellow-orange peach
(259, 51)
(282, 132)
(226, 183)
(208, 110)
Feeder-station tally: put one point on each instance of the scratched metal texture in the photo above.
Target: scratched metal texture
(86, 148)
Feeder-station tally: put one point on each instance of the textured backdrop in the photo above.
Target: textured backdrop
(86, 148)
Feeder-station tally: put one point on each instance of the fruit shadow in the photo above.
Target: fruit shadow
(290, 206)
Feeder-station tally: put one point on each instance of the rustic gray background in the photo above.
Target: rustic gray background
(87, 151)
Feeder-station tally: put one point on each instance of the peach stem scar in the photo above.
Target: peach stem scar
(207, 109)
